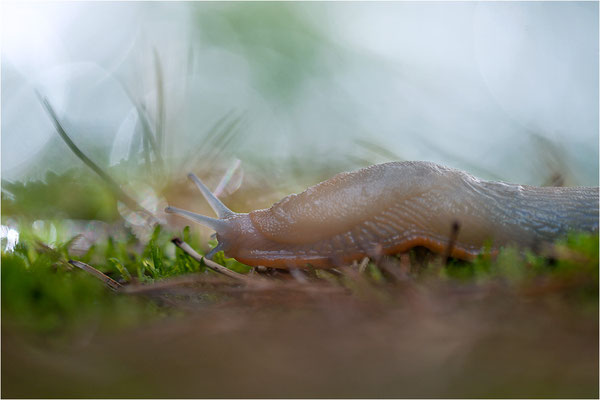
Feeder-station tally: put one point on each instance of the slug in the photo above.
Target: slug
(390, 208)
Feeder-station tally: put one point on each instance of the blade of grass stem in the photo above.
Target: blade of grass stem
(149, 133)
(160, 102)
(217, 140)
(146, 126)
(224, 139)
(379, 150)
(210, 264)
(112, 184)
(93, 271)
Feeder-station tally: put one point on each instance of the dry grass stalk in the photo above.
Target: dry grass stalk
(363, 265)
(111, 283)
(211, 264)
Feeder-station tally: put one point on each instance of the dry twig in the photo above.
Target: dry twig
(110, 282)
(451, 241)
(210, 264)
(363, 265)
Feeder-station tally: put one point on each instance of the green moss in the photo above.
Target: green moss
(45, 297)
(42, 292)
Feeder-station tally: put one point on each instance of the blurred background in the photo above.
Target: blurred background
(273, 97)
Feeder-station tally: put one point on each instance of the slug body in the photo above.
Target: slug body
(390, 208)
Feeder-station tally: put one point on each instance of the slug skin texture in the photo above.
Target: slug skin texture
(390, 208)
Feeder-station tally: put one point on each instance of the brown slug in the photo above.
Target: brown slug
(390, 208)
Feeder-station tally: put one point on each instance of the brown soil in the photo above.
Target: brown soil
(313, 340)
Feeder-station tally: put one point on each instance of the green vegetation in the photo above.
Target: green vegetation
(571, 260)
(88, 197)
(42, 292)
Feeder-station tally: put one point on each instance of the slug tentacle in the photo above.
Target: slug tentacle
(214, 251)
(218, 225)
(217, 205)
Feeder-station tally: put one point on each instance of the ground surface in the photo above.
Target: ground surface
(343, 336)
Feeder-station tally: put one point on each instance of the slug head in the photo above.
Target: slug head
(228, 226)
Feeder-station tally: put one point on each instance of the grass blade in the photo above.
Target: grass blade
(111, 283)
(210, 264)
(114, 186)
(160, 102)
